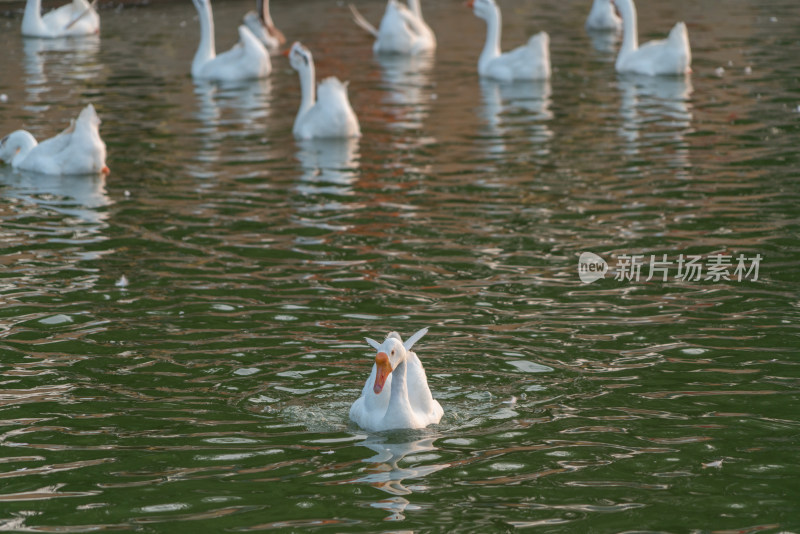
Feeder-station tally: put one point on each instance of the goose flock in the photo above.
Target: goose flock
(396, 394)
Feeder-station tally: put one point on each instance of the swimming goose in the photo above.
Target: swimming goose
(77, 150)
(670, 56)
(396, 394)
(530, 61)
(248, 59)
(326, 112)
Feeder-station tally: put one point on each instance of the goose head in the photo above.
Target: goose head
(13, 144)
(262, 7)
(7, 151)
(300, 57)
(483, 9)
(390, 354)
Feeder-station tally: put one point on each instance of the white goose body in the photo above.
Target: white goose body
(530, 61)
(603, 17)
(259, 22)
(402, 30)
(248, 59)
(396, 394)
(669, 57)
(74, 19)
(77, 150)
(325, 112)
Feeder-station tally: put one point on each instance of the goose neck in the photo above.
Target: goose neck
(491, 49)
(399, 384)
(206, 50)
(32, 22)
(415, 8)
(21, 142)
(307, 89)
(265, 15)
(630, 31)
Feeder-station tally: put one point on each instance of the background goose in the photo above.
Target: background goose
(77, 150)
(326, 111)
(248, 59)
(530, 61)
(670, 56)
(603, 17)
(260, 23)
(402, 29)
(70, 20)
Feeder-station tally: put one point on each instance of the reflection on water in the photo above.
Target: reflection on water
(605, 42)
(520, 105)
(330, 169)
(655, 111)
(54, 61)
(329, 165)
(407, 79)
(244, 107)
(386, 474)
(228, 112)
(73, 196)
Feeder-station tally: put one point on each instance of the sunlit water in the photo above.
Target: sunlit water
(209, 388)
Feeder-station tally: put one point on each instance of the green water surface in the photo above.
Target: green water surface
(208, 390)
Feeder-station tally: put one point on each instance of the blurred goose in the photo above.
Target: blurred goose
(402, 29)
(76, 18)
(670, 56)
(76, 150)
(260, 23)
(407, 401)
(603, 17)
(530, 61)
(327, 114)
(246, 60)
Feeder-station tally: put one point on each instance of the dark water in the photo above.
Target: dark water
(211, 392)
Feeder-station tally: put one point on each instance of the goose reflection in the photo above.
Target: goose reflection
(329, 170)
(407, 80)
(229, 110)
(656, 114)
(517, 109)
(330, 166)
(69, 58)
(385, 473)
(244, 107)
(78, 196)
(605, 42)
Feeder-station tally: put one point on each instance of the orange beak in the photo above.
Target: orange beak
(470, 4)
(384, 368)
(286, 52)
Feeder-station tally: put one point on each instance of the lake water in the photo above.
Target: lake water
(211, 392)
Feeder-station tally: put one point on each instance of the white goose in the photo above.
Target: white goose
(408, 403)
(74, 19)
(530, 61)
(260, 23)
(326, 115)
(402, 29)
(76, 150)
(603, 17)
(246, 60)
(671, 56)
